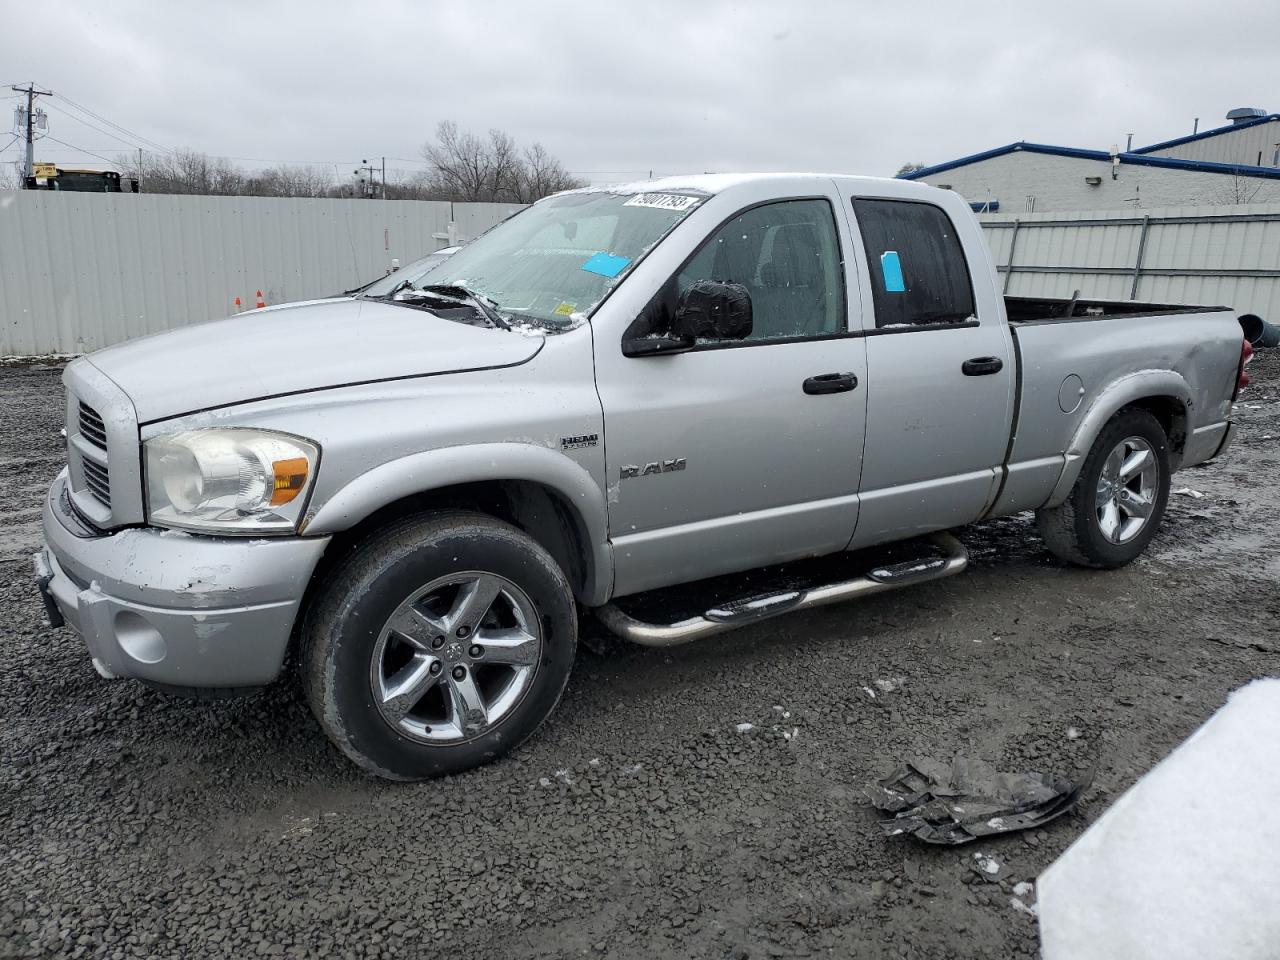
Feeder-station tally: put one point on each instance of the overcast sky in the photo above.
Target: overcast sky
(618, 89)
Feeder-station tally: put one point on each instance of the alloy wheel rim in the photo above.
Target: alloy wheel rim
(456, 657)
(1127, 486)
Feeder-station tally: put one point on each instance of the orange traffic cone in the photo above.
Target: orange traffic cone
(236, 303)
(260, 303)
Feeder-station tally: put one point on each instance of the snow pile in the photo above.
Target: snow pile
(1184, 865)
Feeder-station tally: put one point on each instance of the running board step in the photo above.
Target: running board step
(738, 613)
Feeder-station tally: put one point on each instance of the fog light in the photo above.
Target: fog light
(139, 639)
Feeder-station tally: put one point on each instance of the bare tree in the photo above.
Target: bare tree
(464, 166)
(191, 172)
(290, 181)
(1236, 190)
(542, 175)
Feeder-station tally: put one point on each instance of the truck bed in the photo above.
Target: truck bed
(1024, 310)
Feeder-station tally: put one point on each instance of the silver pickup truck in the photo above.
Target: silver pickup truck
(612, 392)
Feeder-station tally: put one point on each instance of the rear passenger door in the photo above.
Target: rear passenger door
(940, 370)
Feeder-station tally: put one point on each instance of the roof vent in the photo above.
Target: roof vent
(1243, 114)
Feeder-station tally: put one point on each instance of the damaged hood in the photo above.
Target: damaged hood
(293, 349)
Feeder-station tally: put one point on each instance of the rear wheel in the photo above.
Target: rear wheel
(1118, 500)
(439, 644)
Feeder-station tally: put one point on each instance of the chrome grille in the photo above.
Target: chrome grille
(91, 426)
(97, 480)
(102, 450)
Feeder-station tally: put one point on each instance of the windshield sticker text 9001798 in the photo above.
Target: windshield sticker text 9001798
(663, 201)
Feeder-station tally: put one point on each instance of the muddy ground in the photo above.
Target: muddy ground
(640, 822)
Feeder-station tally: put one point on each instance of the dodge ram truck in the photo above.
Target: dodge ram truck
(414, 495)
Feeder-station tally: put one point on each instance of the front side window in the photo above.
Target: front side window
(919, 274)
(787, 255)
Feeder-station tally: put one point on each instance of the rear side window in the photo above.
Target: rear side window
(918, 271)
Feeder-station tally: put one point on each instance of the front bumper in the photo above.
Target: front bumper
(174, 608)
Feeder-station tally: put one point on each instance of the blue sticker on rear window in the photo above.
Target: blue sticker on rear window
(606, 264)
(891, 268)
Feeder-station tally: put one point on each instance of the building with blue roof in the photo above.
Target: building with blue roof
(1226, 166)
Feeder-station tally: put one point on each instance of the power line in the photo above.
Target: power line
(324, 163)
(137, 137)
(72, 117)
(72, 146)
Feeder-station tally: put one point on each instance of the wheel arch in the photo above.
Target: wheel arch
(1164, 394)
(543, 493)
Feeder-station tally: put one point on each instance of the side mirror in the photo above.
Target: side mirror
(713, 310)
(708, 310)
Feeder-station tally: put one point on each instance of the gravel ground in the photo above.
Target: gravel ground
(640, 822)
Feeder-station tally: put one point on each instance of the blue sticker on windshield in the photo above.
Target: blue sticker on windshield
(606, 264)
(891, 268)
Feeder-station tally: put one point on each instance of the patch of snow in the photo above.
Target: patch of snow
(988, 865)
(1073, 733)
(1022, 907)
(745, 727)
(1188, 492)
(1023, 888)
(870, 693)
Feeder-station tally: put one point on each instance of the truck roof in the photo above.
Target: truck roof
(712, 183)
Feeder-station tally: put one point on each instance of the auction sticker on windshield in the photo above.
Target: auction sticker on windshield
(663, 201)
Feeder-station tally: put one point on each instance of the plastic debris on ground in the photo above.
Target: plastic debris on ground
(952, 803)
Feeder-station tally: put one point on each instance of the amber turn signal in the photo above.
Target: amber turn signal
(290, 478)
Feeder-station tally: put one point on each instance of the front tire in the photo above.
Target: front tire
(1118, 501)
(440, 643)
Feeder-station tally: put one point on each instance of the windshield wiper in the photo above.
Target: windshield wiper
(482, 303)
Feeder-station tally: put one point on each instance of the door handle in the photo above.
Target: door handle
(831, 383)
(982, 366)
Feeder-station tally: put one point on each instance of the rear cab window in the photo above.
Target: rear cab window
(919, 274)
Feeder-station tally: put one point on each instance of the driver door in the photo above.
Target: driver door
(733, 455)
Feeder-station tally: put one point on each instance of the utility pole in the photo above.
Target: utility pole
(30, 90)
(384, 178)
(368, 186)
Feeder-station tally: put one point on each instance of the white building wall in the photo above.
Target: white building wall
(1254, 145)
(1057, 183)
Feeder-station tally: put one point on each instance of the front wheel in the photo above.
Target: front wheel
(439, 644)
(1118, 500)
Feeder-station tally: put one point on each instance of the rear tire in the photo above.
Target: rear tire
(438, 644)
(1118, 501)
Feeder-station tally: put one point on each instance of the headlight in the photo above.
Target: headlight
(229, 480)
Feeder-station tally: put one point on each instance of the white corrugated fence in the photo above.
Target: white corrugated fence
(1228, 255)
(79, 271)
